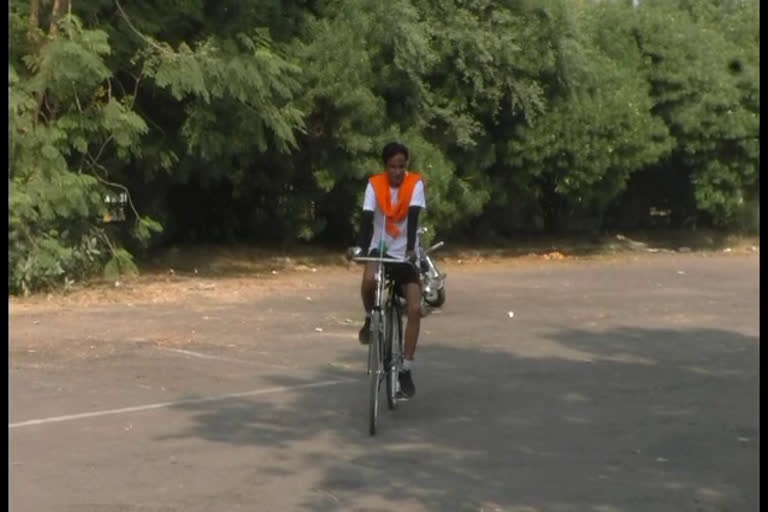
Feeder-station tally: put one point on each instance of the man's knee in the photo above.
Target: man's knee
(414, 310)
(369, 277)
(413, 298)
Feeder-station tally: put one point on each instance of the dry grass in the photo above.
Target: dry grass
(236, 273)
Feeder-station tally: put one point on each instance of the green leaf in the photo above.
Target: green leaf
(121, 264)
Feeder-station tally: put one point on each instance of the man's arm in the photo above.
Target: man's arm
(413, 225)
(365, 233)
(418, 203)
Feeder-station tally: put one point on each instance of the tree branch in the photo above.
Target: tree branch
(69, 18)
(94, 163)
(136, 88)
(101, 150)
(77, 99)
(106, 239)
(136, 31)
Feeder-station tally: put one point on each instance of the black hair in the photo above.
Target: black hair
(392, 149)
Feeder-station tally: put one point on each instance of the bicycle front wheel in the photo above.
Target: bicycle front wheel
(393, 346)
(374, 371)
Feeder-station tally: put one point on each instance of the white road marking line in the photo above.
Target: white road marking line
(200, 355)
(204, 356)
(72, 417)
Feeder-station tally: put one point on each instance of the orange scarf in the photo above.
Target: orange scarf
(399, 211)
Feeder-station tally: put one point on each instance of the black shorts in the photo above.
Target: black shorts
(403, 273)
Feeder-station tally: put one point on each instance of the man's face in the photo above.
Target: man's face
(396, 166)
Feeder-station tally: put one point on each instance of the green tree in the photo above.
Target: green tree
(705, 86)
(62, 119)
(257, 120)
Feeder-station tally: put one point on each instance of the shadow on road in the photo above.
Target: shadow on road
(647, 420)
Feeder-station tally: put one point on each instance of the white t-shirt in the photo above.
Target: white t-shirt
(395, 247)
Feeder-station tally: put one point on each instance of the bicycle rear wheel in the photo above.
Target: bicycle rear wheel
(393, 348)
(374, 371)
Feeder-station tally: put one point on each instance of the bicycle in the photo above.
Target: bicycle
(385, 350)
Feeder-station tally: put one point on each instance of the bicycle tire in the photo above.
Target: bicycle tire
(389, 363)
(394, 334)
(374, 371)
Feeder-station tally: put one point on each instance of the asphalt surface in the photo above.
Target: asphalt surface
(617, 385)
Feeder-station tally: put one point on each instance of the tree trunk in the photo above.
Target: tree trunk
(56, 13)
(34, 20)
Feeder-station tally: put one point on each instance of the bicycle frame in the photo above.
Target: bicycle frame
(383, 357)
(383, 285)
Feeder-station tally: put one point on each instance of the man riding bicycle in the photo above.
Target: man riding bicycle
(393, 201)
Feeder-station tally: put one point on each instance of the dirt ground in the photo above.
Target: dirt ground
(605, 383)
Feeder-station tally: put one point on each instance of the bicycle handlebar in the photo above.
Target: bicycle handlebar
(380, 260)
(434, 247)
(386, 260)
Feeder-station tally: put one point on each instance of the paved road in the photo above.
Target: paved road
(625, 385)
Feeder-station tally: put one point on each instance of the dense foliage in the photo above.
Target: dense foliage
(259, 120)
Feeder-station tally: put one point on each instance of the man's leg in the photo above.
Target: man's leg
(368, 287)
(368, 294)
(412, 292)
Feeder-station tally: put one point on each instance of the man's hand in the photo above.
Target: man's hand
(411, 256)
(353, 252)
